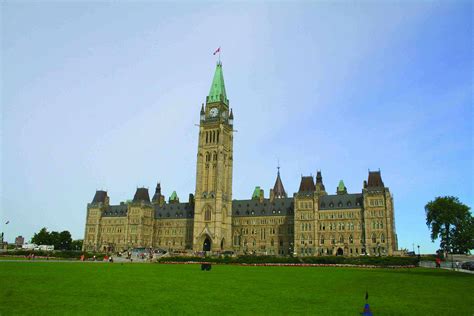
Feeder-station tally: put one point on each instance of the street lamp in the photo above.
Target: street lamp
(419, 256)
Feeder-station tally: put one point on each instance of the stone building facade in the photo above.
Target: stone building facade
(311, 223)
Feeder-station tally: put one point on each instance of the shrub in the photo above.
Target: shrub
(363, 260)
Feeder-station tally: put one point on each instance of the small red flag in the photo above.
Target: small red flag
(217, 51)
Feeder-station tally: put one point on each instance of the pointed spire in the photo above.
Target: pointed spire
(231, 118)
(341, 188)
(217, 92)
(173, 198)
(278, 189)
(157, 195)
(203, 113)
(319, 181)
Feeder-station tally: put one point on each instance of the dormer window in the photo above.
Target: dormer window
(349, 203)
(331, 204)
(339, 204)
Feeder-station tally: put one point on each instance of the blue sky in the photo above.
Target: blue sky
(106, 95)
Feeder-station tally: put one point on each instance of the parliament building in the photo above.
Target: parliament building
(312, 222)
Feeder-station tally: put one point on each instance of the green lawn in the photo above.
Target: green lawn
(104, 288)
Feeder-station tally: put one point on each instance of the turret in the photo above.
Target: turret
(341, 188)
(141, 195)
(100, 197)
(173, 198)
(374, 181)
(157, 197)
(231, 118)
(278, 190)
(203, 113)
(319, 183)
(306, 185)
(258, 194)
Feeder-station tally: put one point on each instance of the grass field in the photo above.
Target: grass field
(103, 288)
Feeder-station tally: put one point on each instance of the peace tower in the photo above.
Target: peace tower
(213, 196)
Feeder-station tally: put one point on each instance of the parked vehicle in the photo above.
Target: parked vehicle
(46, 247)
(469, 265)
(29, 246)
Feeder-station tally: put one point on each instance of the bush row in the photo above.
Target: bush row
(365, 260)
(66, 254)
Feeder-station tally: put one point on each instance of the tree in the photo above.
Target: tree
(76, 244)
(54, 236)
(42, 237)
(451, 222)
(463, 238)
(65, 240)
(60, 241)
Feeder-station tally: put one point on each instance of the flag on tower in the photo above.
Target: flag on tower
(7, 222)
(217, 51)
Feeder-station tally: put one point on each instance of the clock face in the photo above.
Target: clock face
(213, 112)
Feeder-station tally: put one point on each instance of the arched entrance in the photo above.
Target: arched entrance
(340, 252)
(222, 244)
(207, 244)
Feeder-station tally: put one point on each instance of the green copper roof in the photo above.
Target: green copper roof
(341, 186)
(174, 196)
(256, 193)
(217, 92)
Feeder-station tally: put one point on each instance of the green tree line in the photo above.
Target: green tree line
(60, 240)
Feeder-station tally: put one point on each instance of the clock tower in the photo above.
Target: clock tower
(213, 196)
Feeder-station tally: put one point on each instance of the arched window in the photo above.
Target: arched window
(322, 240)
(341, 239)
(351, 239)
(374, 238)
(215, 156)
(349, 203)
(207, 215)
(339, 204)
(236, 240)
(272, 243)
(207, 137)
(382, 238)
(333, 240)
